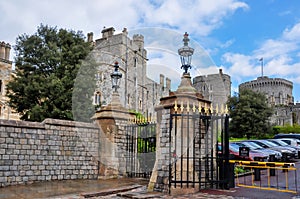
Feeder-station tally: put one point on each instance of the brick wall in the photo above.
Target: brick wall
(51, 150)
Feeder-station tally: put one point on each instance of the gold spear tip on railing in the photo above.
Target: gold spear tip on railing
(175, 106)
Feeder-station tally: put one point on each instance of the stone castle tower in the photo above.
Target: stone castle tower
(137, 91)
(214, 87)
(5, 76)
(279, 94)
(277, 90)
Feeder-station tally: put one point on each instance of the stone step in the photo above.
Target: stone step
(110, 191)
(139, 195)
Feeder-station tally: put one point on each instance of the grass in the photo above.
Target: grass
(237, 139)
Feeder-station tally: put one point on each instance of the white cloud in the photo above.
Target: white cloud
(198, 17)
(272, 48)
(280, 55)
(292, 34)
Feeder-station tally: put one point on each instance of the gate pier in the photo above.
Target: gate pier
(112, 120)
(178, 149)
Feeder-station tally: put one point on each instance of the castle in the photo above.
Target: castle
(279, 94)
(137, 91)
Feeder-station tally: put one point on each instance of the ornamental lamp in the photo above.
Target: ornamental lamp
(186, 53)
(116, 75)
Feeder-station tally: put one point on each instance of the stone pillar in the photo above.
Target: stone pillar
(188, 95)
(112, 120)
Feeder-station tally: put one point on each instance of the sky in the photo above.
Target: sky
(229, 34)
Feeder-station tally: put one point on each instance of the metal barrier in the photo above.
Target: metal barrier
(272, 174)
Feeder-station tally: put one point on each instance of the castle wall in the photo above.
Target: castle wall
(214, 87)
(278, 91)
(51, 150)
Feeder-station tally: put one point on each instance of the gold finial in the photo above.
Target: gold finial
(226, 109)
(217, 108)
(199, 107)
(205, 108)
(194, 107)
(175, 106)
(188, 106)
(181, 107)
(211, 108)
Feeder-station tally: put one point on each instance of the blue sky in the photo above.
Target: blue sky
(232, 34)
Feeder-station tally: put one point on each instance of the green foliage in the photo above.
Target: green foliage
(249, 114)
(46, 63)
(239, 170)
(287, 129)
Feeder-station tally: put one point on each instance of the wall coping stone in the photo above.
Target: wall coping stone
(22, 124)
(48, 121)
(69, 123)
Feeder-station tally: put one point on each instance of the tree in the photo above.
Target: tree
(249, 114)
(46, 64)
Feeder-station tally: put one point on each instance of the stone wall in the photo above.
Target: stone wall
(51, 150)
(214, 87)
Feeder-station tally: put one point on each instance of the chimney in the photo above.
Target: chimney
(221, 71)
(7, 51)
(161, 80)
(168, 83)
(90, 37)
(107, 32)
(2, 50)
(125, 31)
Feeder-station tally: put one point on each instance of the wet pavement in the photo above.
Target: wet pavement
(123, 188)
(66, 188)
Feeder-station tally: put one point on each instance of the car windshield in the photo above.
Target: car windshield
(271, 144)
(280, 142)
(253, 145)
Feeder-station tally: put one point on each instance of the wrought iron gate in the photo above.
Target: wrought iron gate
(141, 149)
(199, 150)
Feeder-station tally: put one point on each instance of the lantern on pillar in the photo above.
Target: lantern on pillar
(116, 75)
(186, 54)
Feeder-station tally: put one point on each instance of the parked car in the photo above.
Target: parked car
(290, 135)
(234, 149)
(286, 154)
(255, 147)
(290, 141)
(294, 149)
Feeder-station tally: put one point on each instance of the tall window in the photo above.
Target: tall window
(97, 100)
